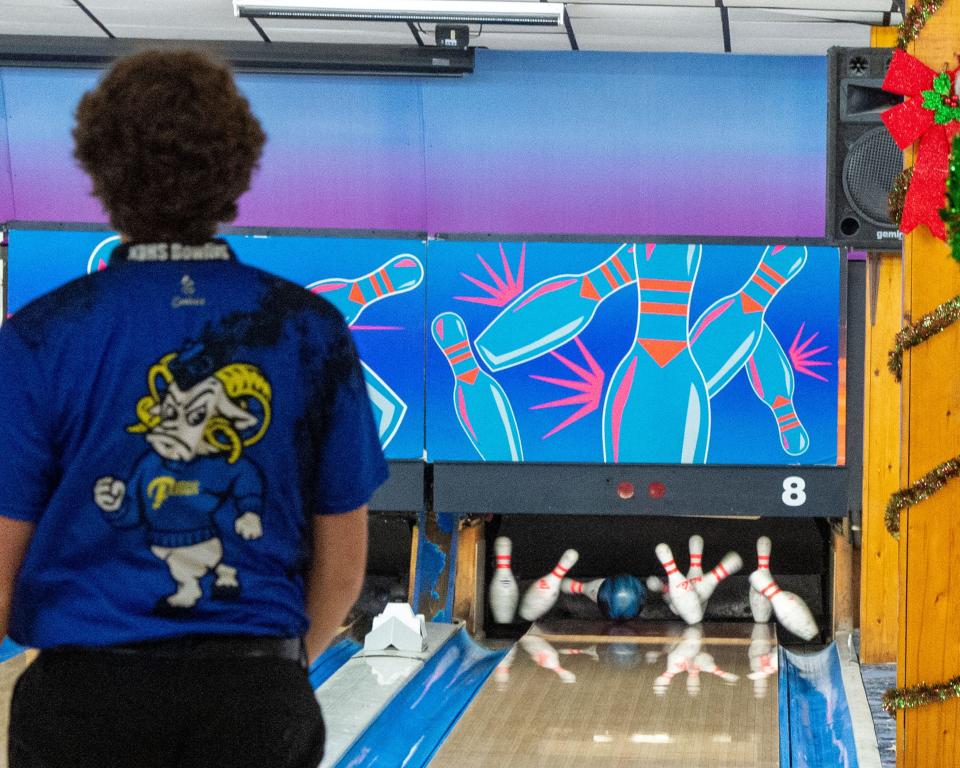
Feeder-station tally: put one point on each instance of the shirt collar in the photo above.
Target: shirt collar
(212, 250)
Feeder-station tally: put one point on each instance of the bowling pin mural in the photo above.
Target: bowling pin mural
(352, 296)
(552, 312)
(480, 403)
(771, 377)
(504, 594)
(656, 406)
(388, 407)
(729, 330)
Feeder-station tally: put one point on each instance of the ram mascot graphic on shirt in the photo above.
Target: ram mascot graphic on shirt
(197, 418)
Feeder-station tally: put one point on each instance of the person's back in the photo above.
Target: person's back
(190, 452)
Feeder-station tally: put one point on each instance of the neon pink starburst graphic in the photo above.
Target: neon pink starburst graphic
(802, 359)
(505, 289)
(590, 387)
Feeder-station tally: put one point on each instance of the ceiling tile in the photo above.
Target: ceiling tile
(172, 19)
(45, 17)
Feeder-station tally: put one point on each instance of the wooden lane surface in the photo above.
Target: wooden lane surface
(611, 718)
(930, 531)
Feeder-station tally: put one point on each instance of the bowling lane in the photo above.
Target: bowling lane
(577, 695)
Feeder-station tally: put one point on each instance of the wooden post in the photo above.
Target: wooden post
(929, 650)
(879, 595)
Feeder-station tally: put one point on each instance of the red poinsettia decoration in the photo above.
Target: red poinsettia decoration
(930, 114)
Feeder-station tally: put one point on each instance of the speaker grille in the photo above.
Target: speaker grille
(869, 170)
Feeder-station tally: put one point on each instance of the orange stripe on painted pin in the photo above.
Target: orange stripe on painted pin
(791, 425)
(456, 347)
(655, 284)
(787, 417)
(662, 308)
(624, 275)
(386, 280)
(772, 274)
(757, 280)
(377, 288)
(609, 275)
(460, 358)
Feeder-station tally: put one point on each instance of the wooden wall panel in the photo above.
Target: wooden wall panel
(929, 650)
(879, 597)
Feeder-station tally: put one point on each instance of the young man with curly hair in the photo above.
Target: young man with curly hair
(188, 454)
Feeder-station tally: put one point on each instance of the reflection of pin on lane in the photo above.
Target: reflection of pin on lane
(552, 312)
(728, 331)
(656, 406)
(351, 296)
(388, 407)
(545, 655)
(771, 377)
(480, 403)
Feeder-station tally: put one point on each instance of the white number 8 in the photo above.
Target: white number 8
(793, 491)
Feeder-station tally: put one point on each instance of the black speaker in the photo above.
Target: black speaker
(862, 158)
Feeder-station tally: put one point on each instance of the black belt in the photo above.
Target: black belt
(203, 647)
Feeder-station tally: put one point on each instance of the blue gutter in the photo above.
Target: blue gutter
(331, 660)
(816, 730)
(414, 724)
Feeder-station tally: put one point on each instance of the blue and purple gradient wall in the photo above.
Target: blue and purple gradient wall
(566, 143)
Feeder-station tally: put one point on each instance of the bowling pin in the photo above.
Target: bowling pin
(552, 312)
(682, 592)
(695, 574)
(501, 674)
(351, 296)
(760, 607)
(545, 655)
(482, 407)
(503, 592)
(771, 377)
(542, 594)
(705, 663)
(730, 564)
(656, 585)
(729, 330)
(588, 589)
(656, 407)
(790, 610)
(388, 407)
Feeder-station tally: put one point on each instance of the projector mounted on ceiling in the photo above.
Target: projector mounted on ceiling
(422, 11)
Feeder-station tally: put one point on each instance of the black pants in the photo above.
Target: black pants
(85, 709)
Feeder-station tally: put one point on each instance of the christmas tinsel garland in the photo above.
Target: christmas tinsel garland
(919, 695)
(915, 20)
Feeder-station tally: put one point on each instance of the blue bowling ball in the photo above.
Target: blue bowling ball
(621, 597)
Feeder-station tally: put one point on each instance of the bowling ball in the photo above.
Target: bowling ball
(621, 597)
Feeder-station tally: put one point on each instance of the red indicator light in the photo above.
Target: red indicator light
(656, 490)
(625, 490)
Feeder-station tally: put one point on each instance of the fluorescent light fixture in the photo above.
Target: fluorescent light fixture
(424, 11)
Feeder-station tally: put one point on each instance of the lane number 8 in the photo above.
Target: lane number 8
(794, 491)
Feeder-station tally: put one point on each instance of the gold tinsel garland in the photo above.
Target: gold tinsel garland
(898, 195)
(915, 20)
(920, 695)
(928, 326)
(922, 489)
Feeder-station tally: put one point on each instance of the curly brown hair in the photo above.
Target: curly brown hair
(170, 145)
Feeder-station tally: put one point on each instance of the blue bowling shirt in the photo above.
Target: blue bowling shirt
(170, 425)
